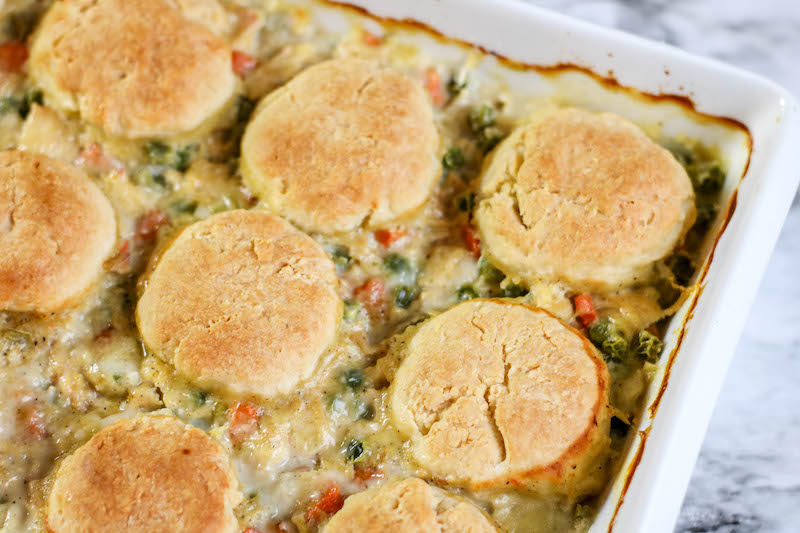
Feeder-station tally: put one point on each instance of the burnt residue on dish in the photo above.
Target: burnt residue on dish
(610, 82)
(637, 458)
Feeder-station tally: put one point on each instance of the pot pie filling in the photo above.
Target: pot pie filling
(328, 282)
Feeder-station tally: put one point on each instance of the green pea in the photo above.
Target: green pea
(708, 178)
(614, 348)
(22, 104)
(365, 411)
(514, 291)
(706, 213)
(466, 292)
(489, 138)
(160, 153)
(183, 206)
(489, 272)
(647, 346)
(354, 450)
(33, 96)
(455, 86)
(353, 378)
(244, 108)
(351, 310)
(157, 152)
(341, 257)
(465, 202)
(481, 117)
(609, 339)
(150, 176)
(682, 268)
(200, 397)
(681, 154)
(404, 296)
(601, 329)
(182, 158)
(453, 159)
(396, 264)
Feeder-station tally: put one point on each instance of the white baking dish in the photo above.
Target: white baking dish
(650, 487)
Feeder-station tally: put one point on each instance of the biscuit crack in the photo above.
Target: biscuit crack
(437, 415)
(492, 420)
(11, 221)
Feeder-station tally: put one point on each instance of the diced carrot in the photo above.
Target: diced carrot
(372, 293)
(13, 55)
(32, 420)
(148, 224)
(584, 309)
(243, 63)
(370, 39)
(433, 84)
(472, 242)
(388, 237)
(243, 418)
(328, 504)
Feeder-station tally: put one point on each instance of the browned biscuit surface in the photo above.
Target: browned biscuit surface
(56, 229)
(136, 68)
(345, 142)
(408, 506)
(583, 198)
(151, 474)
(241, 301)
(492, 392)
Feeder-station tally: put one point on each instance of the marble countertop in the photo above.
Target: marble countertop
(747, 477)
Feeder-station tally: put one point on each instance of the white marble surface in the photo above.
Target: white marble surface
(747, 477)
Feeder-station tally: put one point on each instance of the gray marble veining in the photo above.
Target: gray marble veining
(747, 478)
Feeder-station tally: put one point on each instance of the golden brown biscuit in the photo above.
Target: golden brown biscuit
(407, 506)
(583, 198)
(136, 68)
(150, 474)
(56, 229)
(241, 301)
(492, 392)
(345, 142)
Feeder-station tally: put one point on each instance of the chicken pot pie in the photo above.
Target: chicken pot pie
(258, 273)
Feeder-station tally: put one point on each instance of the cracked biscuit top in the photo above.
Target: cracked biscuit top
(344, 143)
(492, 392)
(136, 68)
(227, 303)
(408, 506)
(56, 229)
(583, 198)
